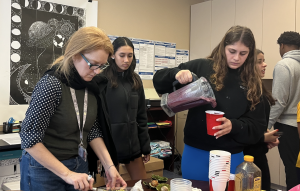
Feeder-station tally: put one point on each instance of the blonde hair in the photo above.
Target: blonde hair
(85, 40)
(248, 72)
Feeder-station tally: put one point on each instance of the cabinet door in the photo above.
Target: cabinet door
(182, 114)
(200, 30)
(180, 135)
(298, 16)
(249, 14)
(223, 14)
(277, 170)
(274, 161)
(278, 16)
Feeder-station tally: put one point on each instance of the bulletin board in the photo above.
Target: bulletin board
(154, 55)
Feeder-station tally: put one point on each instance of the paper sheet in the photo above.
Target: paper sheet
(11, 138)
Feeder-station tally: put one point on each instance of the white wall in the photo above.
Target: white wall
(266, 18)
(278, 16)
(197, 23)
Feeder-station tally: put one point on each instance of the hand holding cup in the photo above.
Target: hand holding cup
(217, 125)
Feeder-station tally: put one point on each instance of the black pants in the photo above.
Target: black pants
(262, 163)
(289, 150)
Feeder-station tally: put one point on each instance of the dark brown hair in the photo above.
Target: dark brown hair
(249, 75)
(265, 91)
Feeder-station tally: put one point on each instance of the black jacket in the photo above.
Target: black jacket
(247, 126)
(105, 126)
(127, 111)
(260, 148)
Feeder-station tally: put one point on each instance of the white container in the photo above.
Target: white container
(180, 184)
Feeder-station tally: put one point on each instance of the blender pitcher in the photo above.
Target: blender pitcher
(192, 95)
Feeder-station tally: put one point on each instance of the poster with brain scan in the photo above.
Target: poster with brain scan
(39, 32)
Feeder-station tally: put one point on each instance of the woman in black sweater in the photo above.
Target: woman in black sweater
(259, 150)
(237, 86)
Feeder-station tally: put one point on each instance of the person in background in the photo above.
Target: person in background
(67, 112)
(286, 91)
(259, 150)
(231, 71)
(127, 109)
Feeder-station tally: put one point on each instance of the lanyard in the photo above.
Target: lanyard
(77, 111)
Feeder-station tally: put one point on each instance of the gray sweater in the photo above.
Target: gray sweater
(286, 89)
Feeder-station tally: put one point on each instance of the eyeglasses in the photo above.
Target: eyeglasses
(95, 66)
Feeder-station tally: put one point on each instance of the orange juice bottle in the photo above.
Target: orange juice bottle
(247, 176)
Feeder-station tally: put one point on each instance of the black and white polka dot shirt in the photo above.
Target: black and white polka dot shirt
(44, 101)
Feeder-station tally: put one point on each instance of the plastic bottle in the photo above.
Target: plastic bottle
(247, 176)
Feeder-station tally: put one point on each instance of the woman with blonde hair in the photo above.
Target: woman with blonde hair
(67, 113)
(230, 70)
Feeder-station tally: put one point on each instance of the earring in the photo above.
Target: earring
(112, 58)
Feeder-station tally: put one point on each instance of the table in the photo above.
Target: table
(203, 185)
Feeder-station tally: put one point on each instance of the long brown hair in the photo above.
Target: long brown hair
(111, 71)
(249, 75)
(265, 91)
(85, 40)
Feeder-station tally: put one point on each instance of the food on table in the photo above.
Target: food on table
(163, 187)
(159, 178)
(154, 183)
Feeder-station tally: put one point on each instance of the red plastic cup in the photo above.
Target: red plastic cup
(211, 121)
(230, 186)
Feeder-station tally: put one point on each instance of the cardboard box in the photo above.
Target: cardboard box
(99, 181)
(154, 166)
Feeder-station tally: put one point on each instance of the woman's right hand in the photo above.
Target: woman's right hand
(184, 76)
(114, 179)
(79, 181)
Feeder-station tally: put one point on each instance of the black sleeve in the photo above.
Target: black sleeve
(142, 120)
(250, 127)
(164, 78)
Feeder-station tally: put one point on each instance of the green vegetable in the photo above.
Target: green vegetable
(155, 177)
(163, 179)
(159, 178)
